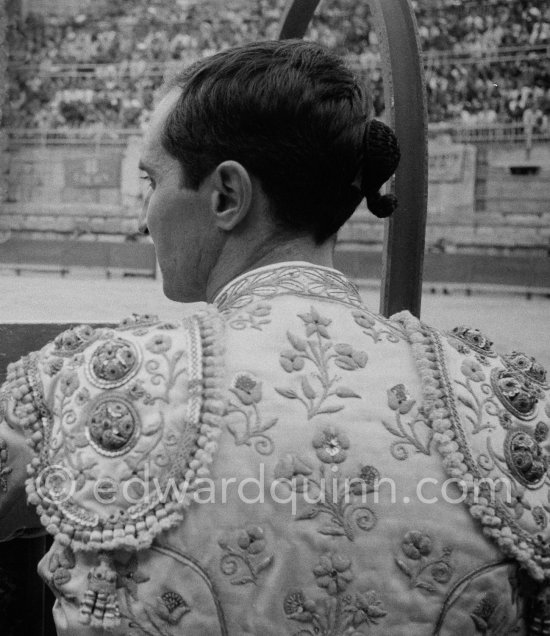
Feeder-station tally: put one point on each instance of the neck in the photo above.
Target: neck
(301, 249)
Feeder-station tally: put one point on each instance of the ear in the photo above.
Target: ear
(231, 196)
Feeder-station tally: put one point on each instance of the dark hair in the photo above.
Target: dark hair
(295, 116)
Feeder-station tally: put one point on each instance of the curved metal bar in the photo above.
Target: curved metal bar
(296, 18)
(405, 98)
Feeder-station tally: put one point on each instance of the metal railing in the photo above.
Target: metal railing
(489, 133)
(151, 69)
(482, 133)
(70, 136)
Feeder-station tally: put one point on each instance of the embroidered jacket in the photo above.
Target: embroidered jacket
(285, 462)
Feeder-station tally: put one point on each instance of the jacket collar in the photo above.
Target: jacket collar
(295, 278)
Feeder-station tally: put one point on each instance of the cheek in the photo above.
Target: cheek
(177, 222)
(165, 215)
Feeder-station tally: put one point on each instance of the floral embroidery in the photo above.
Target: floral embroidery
(292, 361)
(254, 317)
(368, 324)
(331, 446)
(505, 420)
(113, 425)
(151, 619)
(541, 432)
(81, 469)
(459, 346)
(113, 363)
(522, 542)
(159, 345)
(328, 493)
(186, 444)
(399, 400)
(316, 324)
(418, 547)
(82, 397)
(171, 607)
(367, 481)
(68, 383)
(490, 617)
(245, 562)
(319, 351)
(129, 576)
(474, 339)
(59, 565)
(342, 611)
(248, 390)
(298, 608)
(349, 359)
(517, 501)
(136, 390)
(540, 517)
(74, 340)
(333, 573)
(293, 469)
(517, 395)
(52, 366)
(472, 370)
(477, 407)
(5, 470)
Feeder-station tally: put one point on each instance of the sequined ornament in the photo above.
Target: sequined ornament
(138, 320)
(517, 395)
(528, 366)
(74, 340)
(113, 363)
(525, 458)
(475, 340)
(112, 425)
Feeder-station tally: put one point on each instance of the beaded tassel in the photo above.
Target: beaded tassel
(539, 614)
(99, 608)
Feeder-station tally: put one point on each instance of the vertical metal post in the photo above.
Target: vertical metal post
(405, 99)
(3, 98)
(296, 18)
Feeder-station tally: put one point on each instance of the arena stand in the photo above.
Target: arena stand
(82, 86)
(101, 67)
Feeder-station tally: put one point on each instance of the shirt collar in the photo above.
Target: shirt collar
(297, 278)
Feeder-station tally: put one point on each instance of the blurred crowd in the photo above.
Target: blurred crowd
(101, 67)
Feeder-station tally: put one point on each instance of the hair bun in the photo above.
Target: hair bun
(380, 205)
(381, 157)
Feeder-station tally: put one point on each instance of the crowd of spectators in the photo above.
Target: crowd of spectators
(101, 67)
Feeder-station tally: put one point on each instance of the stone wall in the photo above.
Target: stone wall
(488, 209)
(86, 189)
(92, 190)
